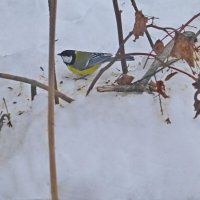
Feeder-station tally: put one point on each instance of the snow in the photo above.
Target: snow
(109, 146)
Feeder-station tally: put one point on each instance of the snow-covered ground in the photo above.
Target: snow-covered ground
(109, 146)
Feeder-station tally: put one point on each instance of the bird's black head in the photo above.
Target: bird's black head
(68, 56)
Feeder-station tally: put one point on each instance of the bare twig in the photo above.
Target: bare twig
(120, 36)
(165, 29)
(189, 21)
(35, 83)
(160, 100)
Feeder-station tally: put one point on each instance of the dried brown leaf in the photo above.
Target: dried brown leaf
(158, 87)
(183, 49)
(125, 80)
(140, 24)
(159, 47)
(161, 89)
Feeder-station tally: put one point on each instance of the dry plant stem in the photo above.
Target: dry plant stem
(56, 87)
(102, 70)
(122, 88)
(165, 29)
(51, 121)
(55, 79)
(120, 36)
(146, 32)
(36, 84)
(160, 100)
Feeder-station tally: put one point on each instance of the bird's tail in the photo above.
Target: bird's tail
(127, 57)
(106, 57)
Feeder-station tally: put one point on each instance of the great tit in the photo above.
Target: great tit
(84, 63)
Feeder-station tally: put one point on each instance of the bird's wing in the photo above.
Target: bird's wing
(98, 58)
(82, 59)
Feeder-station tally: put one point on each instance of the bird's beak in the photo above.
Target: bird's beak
(59, 54)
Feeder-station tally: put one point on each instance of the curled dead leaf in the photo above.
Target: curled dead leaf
(125, 80)
(158, 87)
(140, 24)
(183, 49)
(159, 47)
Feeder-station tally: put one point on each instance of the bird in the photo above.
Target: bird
(84, 63)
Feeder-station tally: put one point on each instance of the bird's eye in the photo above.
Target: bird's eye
(67, 59)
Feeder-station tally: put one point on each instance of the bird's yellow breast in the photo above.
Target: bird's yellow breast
(87, 71)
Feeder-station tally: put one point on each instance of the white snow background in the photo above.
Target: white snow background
(109, 146)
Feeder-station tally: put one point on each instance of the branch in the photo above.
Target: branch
(123, 88)
(35, 83)
(120, 36)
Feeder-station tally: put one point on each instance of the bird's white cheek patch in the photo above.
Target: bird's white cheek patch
(67, 59)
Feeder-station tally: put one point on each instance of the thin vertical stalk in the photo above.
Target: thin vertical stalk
(55, 83)
(51, 133)
(120, 36)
